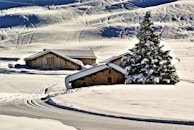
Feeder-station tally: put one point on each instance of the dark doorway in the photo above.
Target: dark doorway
(109, 80)
(84, 84)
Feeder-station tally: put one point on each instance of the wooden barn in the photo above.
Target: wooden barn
(86, 56)
(61, 59)
(105, 74)
(116, 59)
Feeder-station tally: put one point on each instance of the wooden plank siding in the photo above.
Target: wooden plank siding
(118, 62)
(105, 77)
(52, 61)
(116, 59)
(87, 61)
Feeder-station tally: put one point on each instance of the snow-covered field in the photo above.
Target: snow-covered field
(23, 123)
(155, 101)
(108, 27)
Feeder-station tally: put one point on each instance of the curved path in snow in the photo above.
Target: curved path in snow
(31, 106)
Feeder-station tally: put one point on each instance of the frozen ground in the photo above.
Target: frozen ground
(108, 27)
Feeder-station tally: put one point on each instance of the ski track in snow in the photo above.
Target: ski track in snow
(24, 36)
(11, 97)
(171, 11)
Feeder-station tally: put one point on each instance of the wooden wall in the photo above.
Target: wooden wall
(88, 61)
(52, 61)
(104, 77)
(118, 62)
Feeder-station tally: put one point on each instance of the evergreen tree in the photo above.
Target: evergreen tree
(147, 62)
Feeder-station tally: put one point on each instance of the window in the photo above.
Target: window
(109, 80)
(84, 84)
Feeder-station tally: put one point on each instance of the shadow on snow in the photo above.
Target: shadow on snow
(148, 3)
(8, 59)
(15, 20)
(111, 31)
(5, 4)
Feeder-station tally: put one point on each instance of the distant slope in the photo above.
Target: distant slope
(148, 3)
(18, 20)
(91, 19)
(6, 4)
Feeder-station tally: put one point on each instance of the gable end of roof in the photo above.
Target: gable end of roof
(87, 72)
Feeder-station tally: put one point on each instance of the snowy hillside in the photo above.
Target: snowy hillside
(112, 18)
(5, 4)
(54, 24)
(106, 26)
(109, 28)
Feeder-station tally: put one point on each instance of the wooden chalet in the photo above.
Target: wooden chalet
(105, 74)
(61, 59)
(86, 56)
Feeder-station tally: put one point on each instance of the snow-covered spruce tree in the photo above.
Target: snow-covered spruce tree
(147, 62)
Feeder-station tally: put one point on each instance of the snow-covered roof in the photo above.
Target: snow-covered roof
(68, 53)
(36, 55)
(90, 71)
(77, 53)
(109, 60)
(78, 62)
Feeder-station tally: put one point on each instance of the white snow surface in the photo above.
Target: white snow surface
(154, 101)
(148, 101)
(83, 25)
(24, 123)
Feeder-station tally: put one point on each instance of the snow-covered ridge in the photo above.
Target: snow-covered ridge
(103, 18)
(5, 4)
(148, 3)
